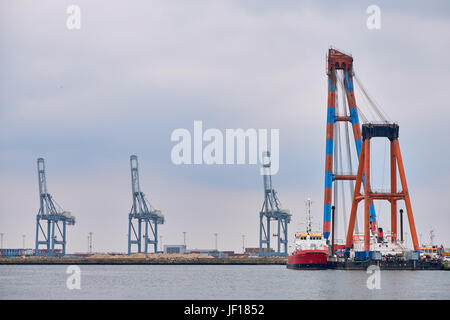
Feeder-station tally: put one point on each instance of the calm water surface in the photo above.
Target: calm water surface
(216, 282)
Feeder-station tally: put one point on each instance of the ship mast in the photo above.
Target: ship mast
(308, 203)
(431, 236)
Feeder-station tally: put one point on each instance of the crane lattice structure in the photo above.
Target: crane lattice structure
(54, 233)
(340, 73)
(142, 215)
(272, 210)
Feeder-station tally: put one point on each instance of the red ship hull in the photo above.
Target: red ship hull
(308, 259)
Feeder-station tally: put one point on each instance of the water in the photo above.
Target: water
(270, 282)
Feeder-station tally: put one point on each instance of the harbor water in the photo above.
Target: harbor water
(183, 282)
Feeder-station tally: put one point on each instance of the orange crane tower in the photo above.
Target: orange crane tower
(389, 131)
(339, 61)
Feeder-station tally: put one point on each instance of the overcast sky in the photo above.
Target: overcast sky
(87, 99)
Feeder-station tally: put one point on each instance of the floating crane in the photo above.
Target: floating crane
(272, 210)
(339, 168)
(54, 233)
(142, 215)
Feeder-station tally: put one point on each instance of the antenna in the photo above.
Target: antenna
(308, 203)
(432, 236)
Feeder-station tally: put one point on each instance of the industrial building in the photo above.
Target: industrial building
(26, 252)
(174, 248)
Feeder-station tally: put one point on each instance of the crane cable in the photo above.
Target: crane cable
(383, 175)
(383, 116)
(344, 110)
(339, 155)
(360, 113)
(351, 183)
(364, 101)
(335, 160)
(375, 105)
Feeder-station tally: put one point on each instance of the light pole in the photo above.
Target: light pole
(90, 242)
(184, 238)
(243, 243)
(23, 241)
(215, 234)
(1, 236)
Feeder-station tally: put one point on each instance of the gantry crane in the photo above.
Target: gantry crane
(54, 233)
(142, 214)
(272, 210)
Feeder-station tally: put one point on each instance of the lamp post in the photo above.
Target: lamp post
(90, 242)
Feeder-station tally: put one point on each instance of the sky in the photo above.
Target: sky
(87, 99)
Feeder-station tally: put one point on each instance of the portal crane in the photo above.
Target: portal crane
(54, 233)
(272, 210)
(142, 214)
